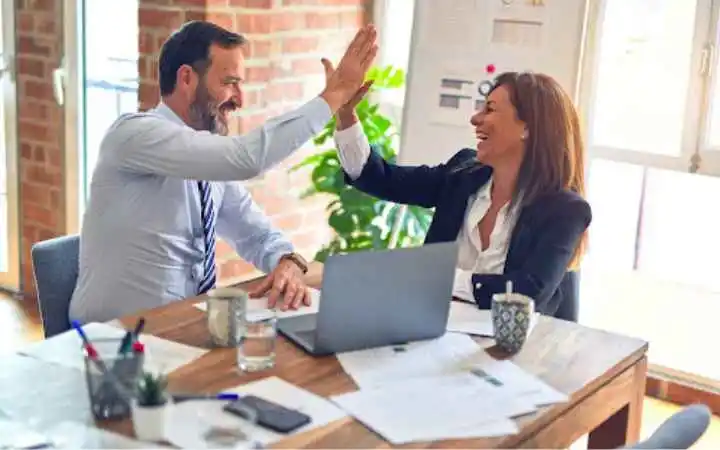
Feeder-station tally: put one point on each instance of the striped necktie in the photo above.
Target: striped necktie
(207, 210)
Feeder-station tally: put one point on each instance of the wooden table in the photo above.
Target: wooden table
(604, 374)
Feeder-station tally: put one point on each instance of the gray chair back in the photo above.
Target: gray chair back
(55, 269)
(680, 431)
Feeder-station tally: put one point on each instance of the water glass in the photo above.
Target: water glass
(511, 318)
(257, 335)
(111, 380)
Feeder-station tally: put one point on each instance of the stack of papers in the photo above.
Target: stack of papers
(467, 318)
(427, 409)
(404, 390)
(65, 349)
(452, 353)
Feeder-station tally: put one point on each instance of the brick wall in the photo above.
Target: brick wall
(287, 39)
(40, 127)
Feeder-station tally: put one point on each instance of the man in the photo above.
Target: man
(165, 183)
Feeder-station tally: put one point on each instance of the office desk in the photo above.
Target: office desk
(603, 373)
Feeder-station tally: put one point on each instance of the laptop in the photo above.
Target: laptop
(378, 298)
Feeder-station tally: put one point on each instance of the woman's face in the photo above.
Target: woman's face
(499, 132)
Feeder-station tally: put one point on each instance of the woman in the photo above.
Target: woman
(515, 203)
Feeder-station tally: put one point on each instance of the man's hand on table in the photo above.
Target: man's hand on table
(285, 287)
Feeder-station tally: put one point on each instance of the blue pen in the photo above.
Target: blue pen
(226, 396)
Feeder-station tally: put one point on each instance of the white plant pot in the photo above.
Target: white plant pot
(150, 422)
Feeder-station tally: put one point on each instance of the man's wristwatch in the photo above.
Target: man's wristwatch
(297, 259)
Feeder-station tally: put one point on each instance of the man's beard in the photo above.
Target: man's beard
(206, 114)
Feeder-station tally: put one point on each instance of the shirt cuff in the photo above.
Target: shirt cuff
(353, 149)
(319, 113)
(462, 288)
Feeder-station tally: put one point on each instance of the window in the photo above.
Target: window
(652, 111)
(395, 21)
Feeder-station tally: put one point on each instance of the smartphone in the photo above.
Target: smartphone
(270, 415)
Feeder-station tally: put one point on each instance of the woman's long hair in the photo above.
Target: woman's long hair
(554, 149)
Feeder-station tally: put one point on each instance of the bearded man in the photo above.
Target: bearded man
(167, 181)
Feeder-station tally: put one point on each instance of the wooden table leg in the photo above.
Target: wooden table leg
(623, 427)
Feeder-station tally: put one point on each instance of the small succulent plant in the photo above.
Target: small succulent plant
(151, 389)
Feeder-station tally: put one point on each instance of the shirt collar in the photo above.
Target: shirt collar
(165, 111)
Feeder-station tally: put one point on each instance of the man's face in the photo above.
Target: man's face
(219, 91)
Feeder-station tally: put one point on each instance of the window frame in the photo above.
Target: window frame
(695, 109)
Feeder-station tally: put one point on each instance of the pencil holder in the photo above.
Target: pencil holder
(111, 378)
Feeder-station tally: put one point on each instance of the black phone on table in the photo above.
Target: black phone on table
(270, 415)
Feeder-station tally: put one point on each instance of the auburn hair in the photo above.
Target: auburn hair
(554, 149)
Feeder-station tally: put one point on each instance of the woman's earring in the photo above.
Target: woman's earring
(524, 135)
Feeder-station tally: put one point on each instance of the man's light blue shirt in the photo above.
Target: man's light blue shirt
(142, 243)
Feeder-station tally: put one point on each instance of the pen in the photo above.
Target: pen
(92, 354)
(131, 336)
(228, 396)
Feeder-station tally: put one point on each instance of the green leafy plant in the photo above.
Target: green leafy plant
(360, 221)
(152, 390)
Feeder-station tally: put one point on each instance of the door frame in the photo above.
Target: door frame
(10, 280)
(70, 94)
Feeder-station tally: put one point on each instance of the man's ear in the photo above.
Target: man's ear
(187, 78)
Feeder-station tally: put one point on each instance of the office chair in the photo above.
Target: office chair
(680, 431)
(55, 269)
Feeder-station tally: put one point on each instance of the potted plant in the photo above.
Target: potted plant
(359, 221)
(150, 407)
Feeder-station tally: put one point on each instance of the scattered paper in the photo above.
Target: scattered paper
(517, 382)
(312, 309)
(469, 319)
(192, 421)
(15, 434)
(77, 435)
(470, 407)
(65, 349)
(443, 356)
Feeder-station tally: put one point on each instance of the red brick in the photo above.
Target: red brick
(225, 20)
(41, 90)
(165, 19)
(260, 74)
(253, 23)
(36, 194)
(31, 66)
(286, 21)
(322, 20)
(258, 49)
(306, 66)
(300, 44)
(25, 22)
(259, 4)
(321, 2)
(31, 46)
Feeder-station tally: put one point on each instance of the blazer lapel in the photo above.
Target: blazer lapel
(468, 184)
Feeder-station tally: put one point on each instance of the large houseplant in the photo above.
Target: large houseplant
(362, 222)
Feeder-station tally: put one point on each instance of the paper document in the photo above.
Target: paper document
(76, 435)
(18, 435)
(193, 422)
(469, 319)
(312, 309)
(435, 408)
(374, 367)
(462, 285)
(517, 382)
(65, 349)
